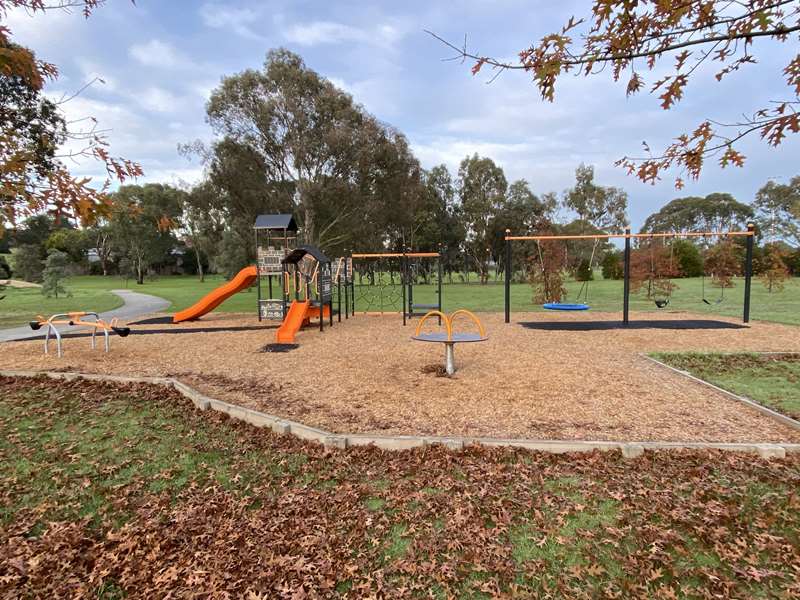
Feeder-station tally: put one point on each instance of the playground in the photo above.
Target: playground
(336, 344)
(367, 375)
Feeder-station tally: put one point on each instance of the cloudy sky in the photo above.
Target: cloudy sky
(160, 60)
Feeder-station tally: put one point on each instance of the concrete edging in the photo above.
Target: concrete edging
(783, 419)
(632, 449)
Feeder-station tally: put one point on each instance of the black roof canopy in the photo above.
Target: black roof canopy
(275, 222)
(296, 255)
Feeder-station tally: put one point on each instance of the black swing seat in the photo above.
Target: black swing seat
(425, 306)
(710, 303)
(122, 331)
(662, 303)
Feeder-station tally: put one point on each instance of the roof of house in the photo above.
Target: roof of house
(275, 222)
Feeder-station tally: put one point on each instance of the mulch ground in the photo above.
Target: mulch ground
(82, 518)
(367, 375)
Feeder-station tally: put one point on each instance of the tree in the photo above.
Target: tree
(99, 236)
(628, 39)
(689, 258)
(715, 212)
(547, 270)
(602, 207)
(308, 139)
(5, 269)
(202, 224)
(773, 267)
(142, 219)
(74, 243)
(55, 272)
(653, 269)
(723, 262)
(28, 263)
(447, 223)
(777, 209)
(481, 188)
(611, 265)
(34, 177)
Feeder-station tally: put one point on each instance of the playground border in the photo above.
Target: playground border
(629, 449)
(781, 418)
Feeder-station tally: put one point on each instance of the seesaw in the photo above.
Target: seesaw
(448, 337)
(75, 319)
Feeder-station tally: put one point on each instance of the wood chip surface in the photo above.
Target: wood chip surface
(366, 375)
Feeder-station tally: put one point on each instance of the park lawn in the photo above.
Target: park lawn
(21, 305)
(122, 491)
(769, 379)
(603, 295)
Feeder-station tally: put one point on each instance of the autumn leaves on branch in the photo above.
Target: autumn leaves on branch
(631, 37)
(34, 176)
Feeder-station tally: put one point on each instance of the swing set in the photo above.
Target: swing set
(627, 236)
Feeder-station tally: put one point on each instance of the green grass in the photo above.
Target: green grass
(771, 380)
(604, 295)
(130, 490)
(21, 305)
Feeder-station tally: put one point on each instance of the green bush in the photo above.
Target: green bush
(28, 262)
(5, 269)
(688, 257)
(793, 262)
(584, 272)
(54, 274)
(612, 265)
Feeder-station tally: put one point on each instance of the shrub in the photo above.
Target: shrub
(612, 266)
(688, 257)
(28, 263)
(5, 270)
(54, 274)
(584, 272)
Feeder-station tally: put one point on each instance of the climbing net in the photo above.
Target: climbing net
(378, 281)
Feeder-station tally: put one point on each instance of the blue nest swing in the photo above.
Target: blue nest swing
(565, 306)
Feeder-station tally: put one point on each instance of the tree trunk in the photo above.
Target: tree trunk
(199, 265)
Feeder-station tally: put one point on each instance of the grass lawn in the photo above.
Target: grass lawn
(123, 492)
(771, 380)
(605, 295)
(20, 305)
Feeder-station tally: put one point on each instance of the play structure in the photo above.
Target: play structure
(77, 319)
(449, 337)
(306, 271)
(627, 236)
(384, 282)
(212, 300)
(290, 281)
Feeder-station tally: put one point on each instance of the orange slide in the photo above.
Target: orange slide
(212, 300)
(294, 320)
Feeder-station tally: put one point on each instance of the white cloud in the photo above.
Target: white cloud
(328, 32)
(156, 53)
(237, 20)
(158, 100)
(91, 71)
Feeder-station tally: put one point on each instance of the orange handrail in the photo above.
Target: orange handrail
(436, 313)
(464, 311)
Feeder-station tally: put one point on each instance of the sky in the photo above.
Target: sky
(160, 60)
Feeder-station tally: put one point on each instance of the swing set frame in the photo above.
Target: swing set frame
(749, 233)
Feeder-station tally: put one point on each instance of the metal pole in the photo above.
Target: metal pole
(339, 298)
(258, 279)
(748, 272)
(403, 279)
(508, 278)
(626, 278)
(439, 283)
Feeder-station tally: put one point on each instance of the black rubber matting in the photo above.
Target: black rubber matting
(639, 324)
(279, 347)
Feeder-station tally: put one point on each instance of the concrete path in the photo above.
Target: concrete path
(136, 305)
